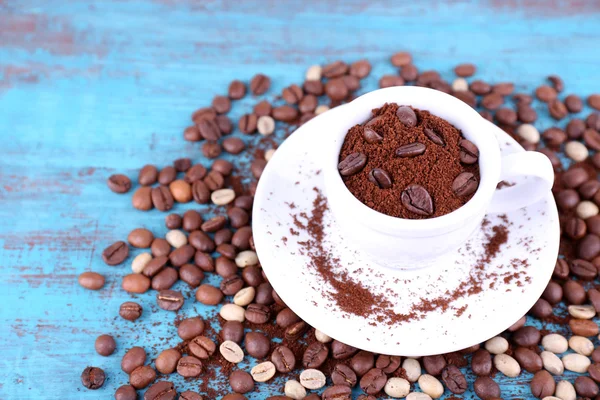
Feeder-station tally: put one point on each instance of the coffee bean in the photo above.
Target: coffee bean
(352, 164)
(337, 392)
(486, 388)
(411, 150)
(390, 81)
(142, 376)
(259, 84)
(166, 362)
(315, 355)
(465, 70)
(173, 221)
(582, 269)
(160, 247)
(553, 293)
(526, 114)
(241, 381)
(119, 183)
(283, 359)
(407, 116)
(292, 94)
(574, 292)
(388, 364)
(492, 101)
(373, 381)
(165, 279)
(360, 69)
(416, 199)
(189, 367)
(336, 89)
(335, 69)
(480, 88)
(232, 312)
(92, 378)
(116, 253)
(312, 379)
(380, 178)
(557, 109)
(169, 300)
(589, 247)
(91, 280)
(142, 199)
(497, 345)
(263, 372)
(545, 93)
(211, 150)
(257, 313)
(133, 358)
(343, 375)
(314, 87)
(401, 59)
(454, 380)
(583, 327)
(182, 255)
(248, 123)
(542, 384)
(594, 369)
(135, 283)
(503, 88)
(362, 362)
(585, 386)
(234, 331)
(195, 173)
(592, 139)
(125, 392)
(434, 364)
(257, 344)
(528, 359)
(200, 192)
(148, 175)
(130, 310)
(434, 136)
(481, 363)
(469, 153)
(227, 250)
(593, 121)
(257, 167)
(295, 331)
(161, 390)
(162, 199)
(225, 267)
(202, 347)
(237, 90)
(593, 101)
(527, 336)
(105, 345)
(231, 352)
(190, 328)
(342, 351)
(371, 136)
(409, 73)
(231, 285)
(465, 184)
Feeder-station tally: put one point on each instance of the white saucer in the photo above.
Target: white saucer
(290, 178)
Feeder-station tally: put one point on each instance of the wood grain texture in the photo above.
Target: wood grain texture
(92, 88)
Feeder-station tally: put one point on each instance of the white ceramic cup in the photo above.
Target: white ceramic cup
(410, 244)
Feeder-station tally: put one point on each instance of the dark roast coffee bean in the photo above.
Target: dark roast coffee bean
(526, 336)
(202, 347)
(165, 279)
(335, 69)
(480, 87)
(557, 109)
(575, 228)
(116, 253)
(252, 276)
(592, 139)
(191, 275)
(352, 164)
(416, 198)
(286, 318)
(362, 362)
(225, 267)
(589, 189)
(373, 381)
(588, 247)
(119, 183)
(574, 177)
(190, 328)
(314, 87)
(469, 153)
(214, 180)
(142, 376)
(341, 351)
(542, 384)
(173, 221)
(343, 375)
(573, 103)
(292, 94)
(336, 89)
(135, 357)
(582, 269)
(481, 363)
(200, 192)
(227, 250)
(237, 90)
(182, 255)
(337, 392)
(256, 313)
(594, 369)
(258, 345)
(167, 175)
(575, 128)
(315, 355)
(371, 136)
(189, 395)
(554, 137)
(169, 300)
(189, 367)
(155, 265)
(232, 330)
(283, 359)
(161, 390)
(411, 150)
(295, 331)
(586, 387)
(574, 292)
(594, 296)
(409, 73)
(380, 178)
(130, 311)
(241, 238)
(259, 84)
(434, 136)
(92, 378)
(126, 392)
(407, 116)
(105, 345)
(465, 184)
(486, 388)
(248, 123)
(528, 359)
(388, 364)
(241, 381)
(454, 380)
(285, 113)
(567, 199)
(506, 116)
(262, 108)
(434, 364)
(162, 199)
(360, 69)
(553, 293)
(211, 150)
(492, 101)
(195, 173)
(541, 309)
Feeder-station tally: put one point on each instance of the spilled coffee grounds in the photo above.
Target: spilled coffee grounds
(409, 163)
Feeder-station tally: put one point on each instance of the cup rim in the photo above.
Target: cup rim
(471, 126)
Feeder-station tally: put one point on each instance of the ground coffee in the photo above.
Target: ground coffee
(409, 163)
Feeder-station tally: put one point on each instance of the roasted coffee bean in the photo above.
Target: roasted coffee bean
(234, 331)
(211, 150)
(360, 69)
(390, 81)
(411, 150)
(195, 173)
(286, 318)
(200, 192)
(91, 280)
(135, 283)
(434, 364)
(336, 89)
(373, 381)
(401, 59)
(160, 247)
(292, 94)
(343, 375)
(465, 184)
(574, 292)
(142, 376)
(380, 178)
(92, 378)
(133, 358)
(583, 327)
(465, 70)
(125, 392)
(241, 237)
(454, 380)
(416, 199)
(119, 183)
(557, 109)
(203, 113)
(237, 90)
(486, 388)
(541, 309)
(116, 253)
(162, 199)
(314, 87)
(296, 330)
(582, 269)
(256, 313)
(231, 285)
(388, 364)
(283, 359)
(315, 355)
(167, 175)
(527, 336)
(492, 101)
(209, 295)
(155, 265)
(214, 224)
(481, 363)
(248, 123)
(161, 390)
(575, 228)
(434, 136)
(190, 328)
(257, 344)
(528, 359)
(189, 367)
(173, 221)
(223, 236)
(227, 250)
(142, 199)
(148, 175)
(166, 362)
(362, 362)
(192, 134)
(371, 136)
(553, 293)
(542, 384)
(480, 87)
(105, 345)
(573, 103)
(169, 300)
(352, 164)
(259, 84)
(341, 351)
(241, 381)
(469, 153)
(407, 116)
(409, 72)
(335, 69)
(130, 310)
(337, 392)
(588, 247)
(225, 267)
(202, 347)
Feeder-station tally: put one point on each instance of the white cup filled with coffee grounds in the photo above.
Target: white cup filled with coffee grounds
(411, 172)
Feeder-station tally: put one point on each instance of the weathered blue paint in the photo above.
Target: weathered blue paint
(91, 88)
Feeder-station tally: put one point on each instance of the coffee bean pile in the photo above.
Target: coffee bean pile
(254, 322)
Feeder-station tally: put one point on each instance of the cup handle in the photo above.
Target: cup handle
(527, 177)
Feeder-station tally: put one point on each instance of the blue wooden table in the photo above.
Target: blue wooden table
(92, 88)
